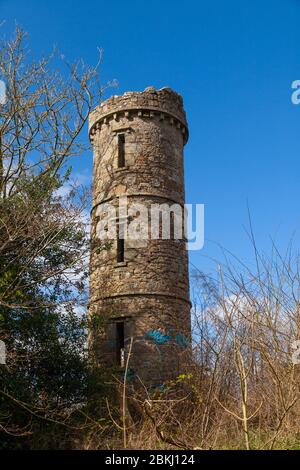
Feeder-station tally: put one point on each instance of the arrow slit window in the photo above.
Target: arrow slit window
(121, 150)
(120, 336)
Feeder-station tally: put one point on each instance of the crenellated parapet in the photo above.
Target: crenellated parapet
(162, 105)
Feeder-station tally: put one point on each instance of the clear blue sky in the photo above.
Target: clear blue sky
(233, 62)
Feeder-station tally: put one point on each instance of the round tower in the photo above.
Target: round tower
(139, 286)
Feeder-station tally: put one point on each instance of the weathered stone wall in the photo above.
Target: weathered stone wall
(150, 289)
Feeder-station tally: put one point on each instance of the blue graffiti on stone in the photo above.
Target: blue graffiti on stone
(130, 374)
(181, 340)
(157, 389)
(158, 337)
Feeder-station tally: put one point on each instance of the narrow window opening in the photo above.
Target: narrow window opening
(172, 226)
(120, 250)
(120, 242)
(121, 150)
(120, 333)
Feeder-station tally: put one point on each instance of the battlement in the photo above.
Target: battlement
(164, 104)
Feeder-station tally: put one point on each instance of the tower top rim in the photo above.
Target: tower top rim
(163, 100)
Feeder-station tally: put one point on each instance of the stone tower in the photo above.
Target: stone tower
(139, 288)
